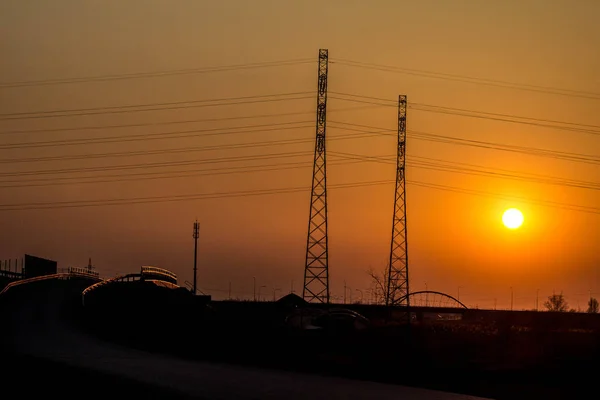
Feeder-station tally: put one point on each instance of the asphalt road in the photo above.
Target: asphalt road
(35, 328)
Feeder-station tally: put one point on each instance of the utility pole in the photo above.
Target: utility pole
(196, 235)
(316, 270)
(397, 292)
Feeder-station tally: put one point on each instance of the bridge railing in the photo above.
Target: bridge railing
(158, 272)
(119, 278)
(34, 279)
(85, 272)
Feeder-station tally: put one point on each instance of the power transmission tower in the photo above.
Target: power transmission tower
(196, 235)
(397, 285)
(316, 271)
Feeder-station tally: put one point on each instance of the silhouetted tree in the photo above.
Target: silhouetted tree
(379, 283)
(556, 302)
(593, 306)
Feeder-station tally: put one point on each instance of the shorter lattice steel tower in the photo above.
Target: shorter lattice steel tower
(316, 271)
(397, 285)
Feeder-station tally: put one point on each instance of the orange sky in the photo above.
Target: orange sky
(455, 239)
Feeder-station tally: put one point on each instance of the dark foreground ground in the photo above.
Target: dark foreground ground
(493, 355)
(29, 377)
(485, 358)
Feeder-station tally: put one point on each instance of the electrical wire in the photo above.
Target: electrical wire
(137, 75)
(446, 166)
(188, 121)
(155, 164)
(473, 114)
(567, 156)
(257, 192)
(132, 108)
(162, 135)
(467, 79)
(394, 103)
(179, 150)
(141, 176)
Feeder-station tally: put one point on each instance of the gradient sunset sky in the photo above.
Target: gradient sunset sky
(432, 51)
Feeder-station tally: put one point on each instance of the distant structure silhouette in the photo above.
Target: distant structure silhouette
(316, 271)
(397, 284)
(196, 236)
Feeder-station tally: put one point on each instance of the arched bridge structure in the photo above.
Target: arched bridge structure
(72, 273)
(158, 276)
(433, 299)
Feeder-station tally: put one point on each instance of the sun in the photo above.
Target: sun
(512, 218)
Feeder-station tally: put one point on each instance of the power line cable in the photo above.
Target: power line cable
(137, 75)
(472, 114)
(162, 135)
(155, 164)
(479, 192)
(576, 157)
(188, 121)
(394, 103)
(148, 175)
(440, 165)
(468, 79)
(155, 107)
(187, 149)
(170, 198)
(127, 106)
(476, 172)
(256, 192)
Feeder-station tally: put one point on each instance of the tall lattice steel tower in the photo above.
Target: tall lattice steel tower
(397, 285)
(316, 271)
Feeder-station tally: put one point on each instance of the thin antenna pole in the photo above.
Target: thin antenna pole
(196, 235)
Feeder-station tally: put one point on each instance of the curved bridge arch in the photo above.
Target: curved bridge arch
(158, 276)
(431, 298)
(60, 275)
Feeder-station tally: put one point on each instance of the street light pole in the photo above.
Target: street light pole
(361, 295)
(254, 287)
(259, 291)
(275, 290)
(511, 298)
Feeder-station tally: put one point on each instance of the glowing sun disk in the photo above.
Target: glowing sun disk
(512, 218)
